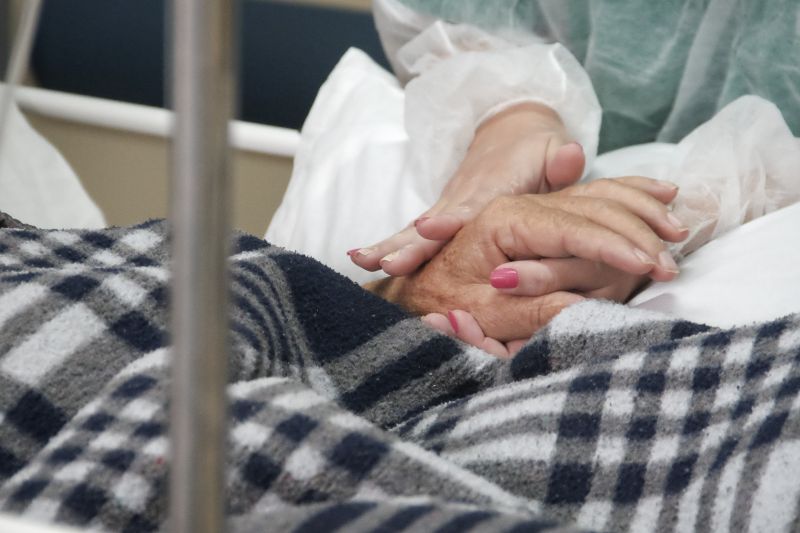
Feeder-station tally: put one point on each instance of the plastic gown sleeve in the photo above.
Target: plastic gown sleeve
(740, 165)
(461, 75)
(735, 168)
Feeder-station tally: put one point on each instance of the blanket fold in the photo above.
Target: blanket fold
(346, 414)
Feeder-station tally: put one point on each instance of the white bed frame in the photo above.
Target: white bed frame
(155, 121)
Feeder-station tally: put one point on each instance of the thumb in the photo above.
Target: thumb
(564, 164)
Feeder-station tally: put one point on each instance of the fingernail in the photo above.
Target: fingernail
(643, 257)
(579, 145)
(362, 251)
(352, 252)
(420, 220)
(680, 226)
(390, 257)
(667, 262)
(669, 185)
(504, 278)
(453, 322)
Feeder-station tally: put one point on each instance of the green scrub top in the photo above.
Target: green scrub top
(660, 68)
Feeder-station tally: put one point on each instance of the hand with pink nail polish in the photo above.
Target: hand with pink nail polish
(607, 230)
(523, 149)
(645, 198)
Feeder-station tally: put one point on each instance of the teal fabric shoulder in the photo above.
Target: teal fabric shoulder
(661, 68)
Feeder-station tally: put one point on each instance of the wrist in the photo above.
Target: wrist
(521, 116)
(388, 288)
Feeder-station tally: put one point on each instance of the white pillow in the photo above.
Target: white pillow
(747, 275)
(351, 185)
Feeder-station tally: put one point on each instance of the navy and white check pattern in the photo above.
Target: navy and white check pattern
(348, 415)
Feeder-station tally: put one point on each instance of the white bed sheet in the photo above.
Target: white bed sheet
(747, 275)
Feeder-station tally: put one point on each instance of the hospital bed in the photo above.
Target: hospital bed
(194, 223)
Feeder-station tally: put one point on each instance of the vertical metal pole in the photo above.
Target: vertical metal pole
(202, 94)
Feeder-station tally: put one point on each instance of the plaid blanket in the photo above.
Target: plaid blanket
(346, 414)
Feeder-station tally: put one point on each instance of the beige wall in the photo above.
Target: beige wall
(126, 174)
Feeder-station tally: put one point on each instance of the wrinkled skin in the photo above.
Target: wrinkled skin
(602, 239)
(523, 149)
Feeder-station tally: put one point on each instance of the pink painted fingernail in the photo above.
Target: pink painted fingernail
(420, 220)
(504, 278)
(453, 322)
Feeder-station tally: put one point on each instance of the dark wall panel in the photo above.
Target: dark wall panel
(115, 49)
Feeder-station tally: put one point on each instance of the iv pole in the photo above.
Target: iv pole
(203, 88)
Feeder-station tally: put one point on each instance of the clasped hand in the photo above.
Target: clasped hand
(523, 149)
(524, 258)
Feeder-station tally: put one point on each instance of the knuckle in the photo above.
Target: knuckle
(599, 186)
(548, 281)
(499, 205)
(533, 315)
(536, 315)
(565, 205)
(600, 208)
(502, 202)
(577, 189)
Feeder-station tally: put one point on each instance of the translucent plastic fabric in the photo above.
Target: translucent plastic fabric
(463, 76)
(37, 185)
(460, 75)
(660, 69)
(737, 167)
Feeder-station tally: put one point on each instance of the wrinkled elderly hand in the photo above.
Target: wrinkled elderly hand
(600, 239)
(524, 149)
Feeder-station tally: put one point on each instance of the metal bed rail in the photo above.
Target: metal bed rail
(147, 120)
